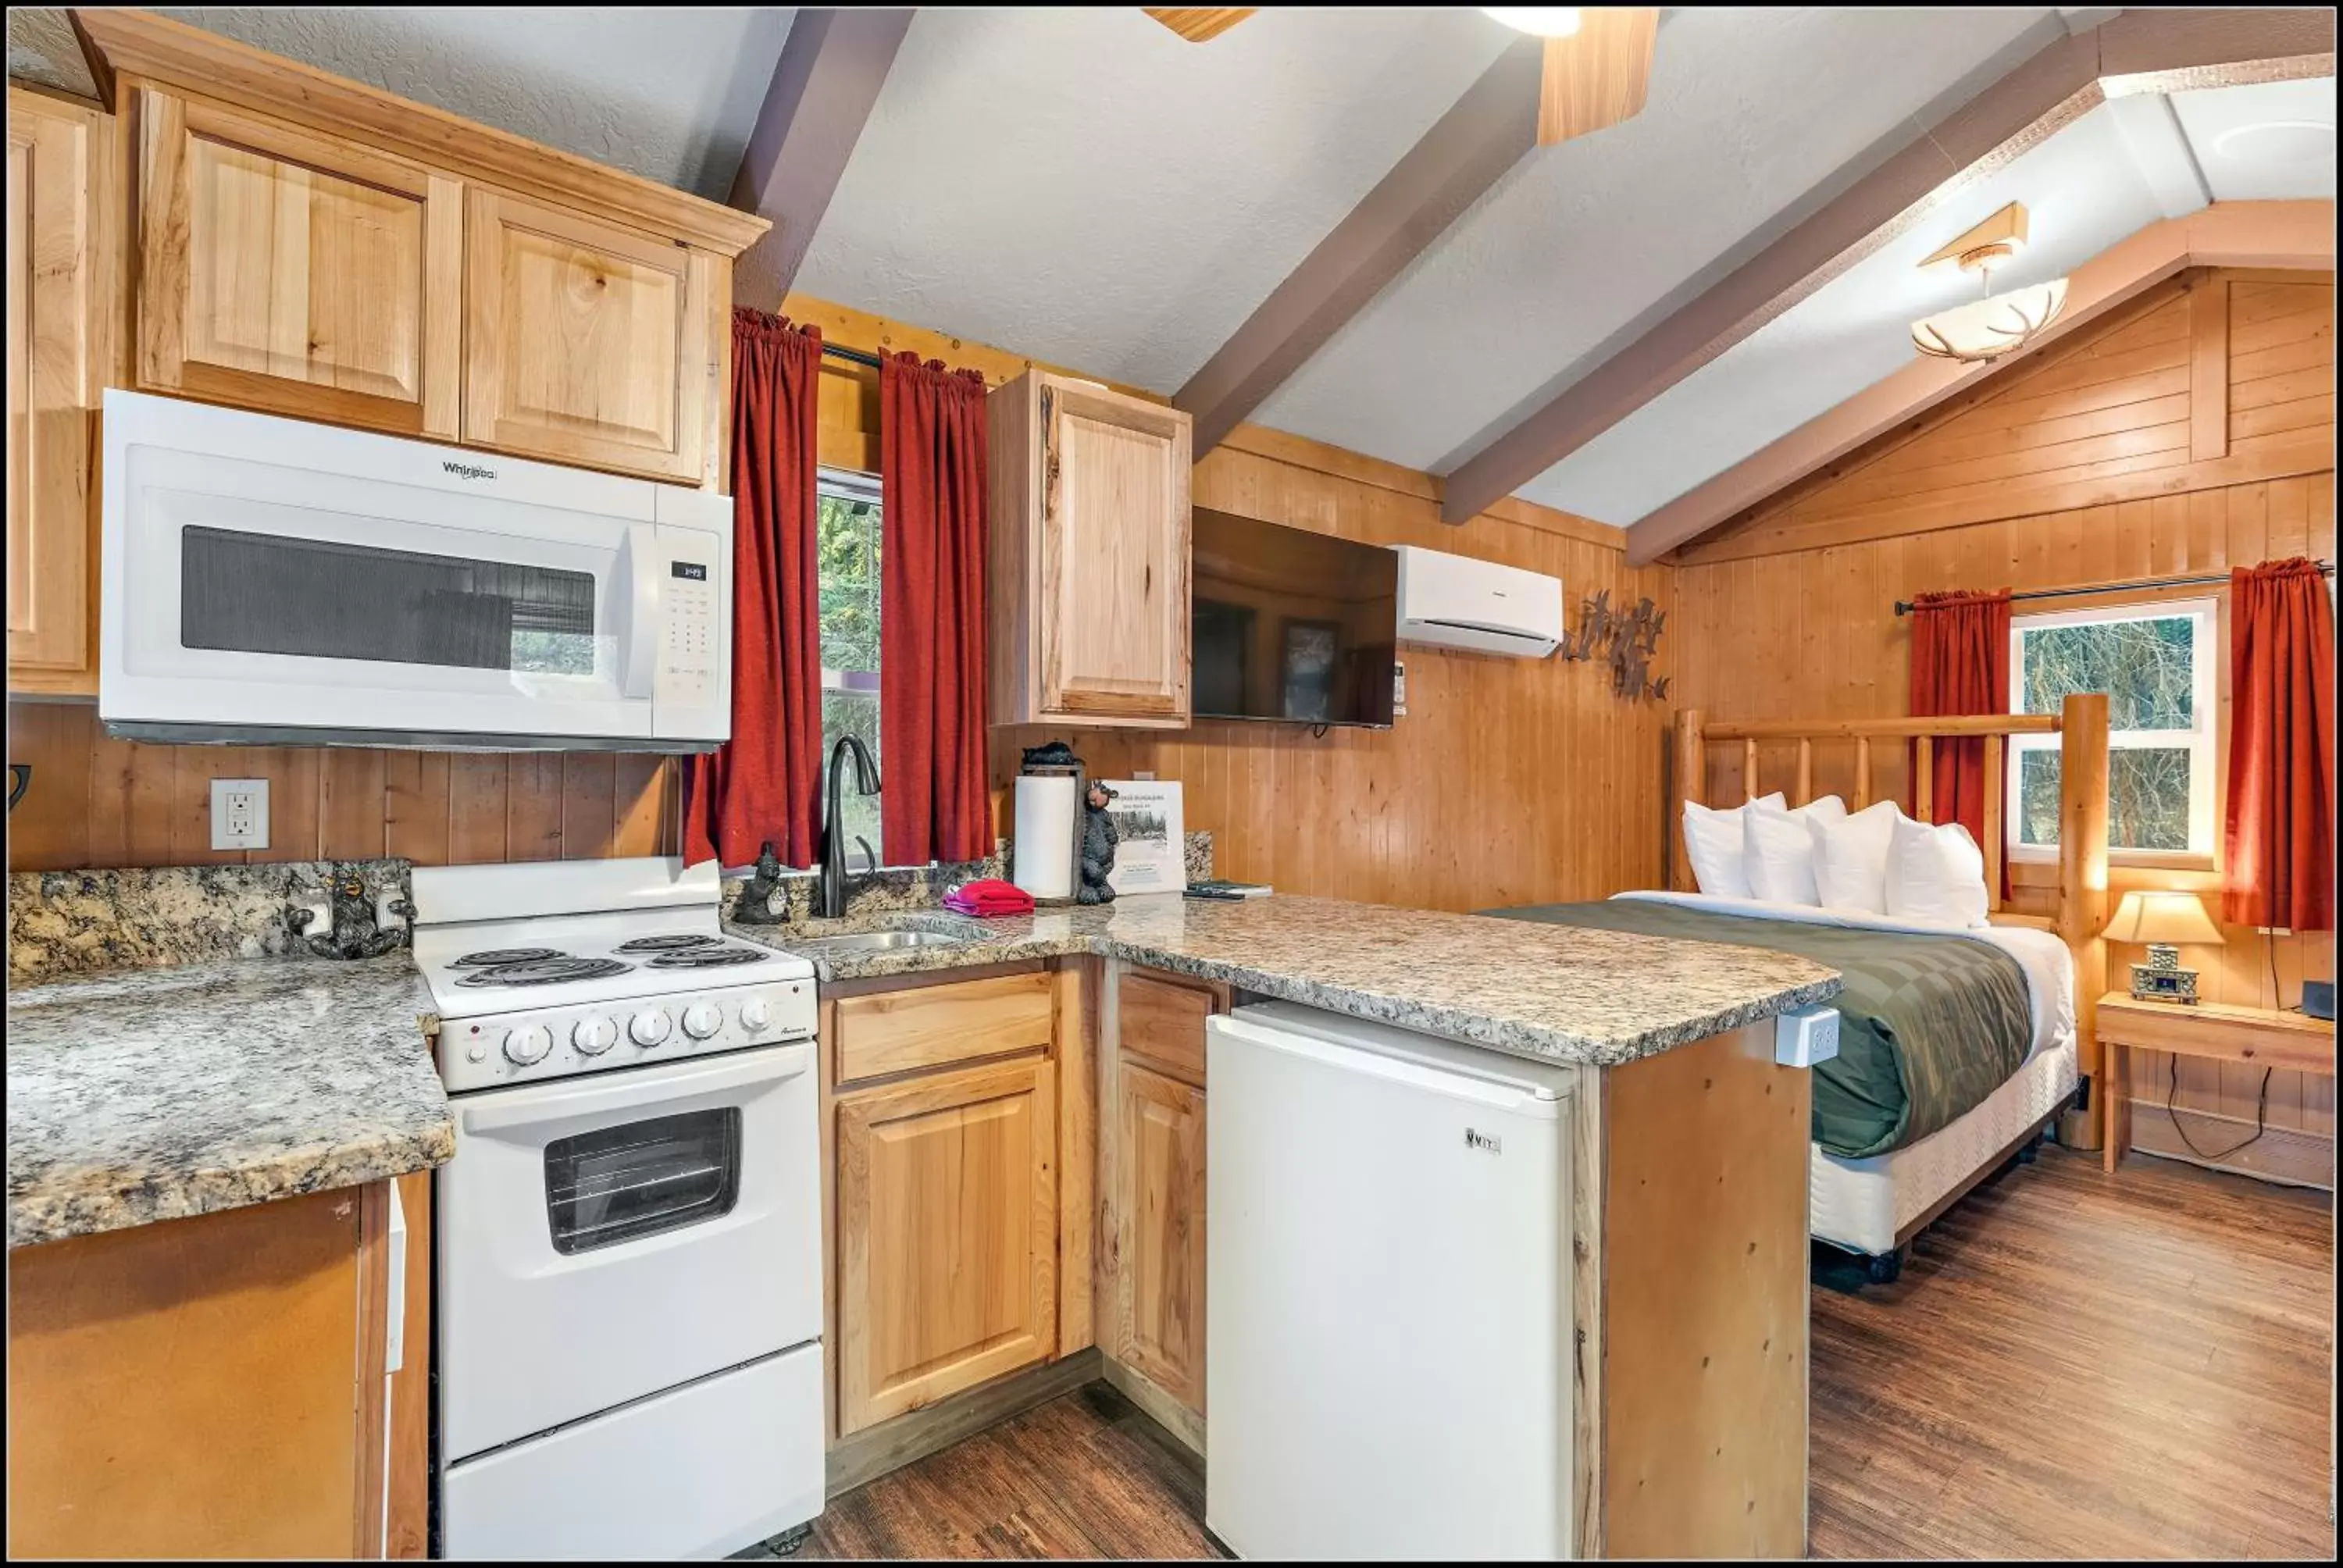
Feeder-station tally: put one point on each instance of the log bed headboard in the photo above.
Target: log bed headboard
(2082, 897)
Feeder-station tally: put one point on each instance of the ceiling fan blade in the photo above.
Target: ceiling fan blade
(1598, 75)
(1200, 24)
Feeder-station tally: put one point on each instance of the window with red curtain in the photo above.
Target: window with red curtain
(762, 784)
(933, 804)
(2280, 866)
(1960, 665)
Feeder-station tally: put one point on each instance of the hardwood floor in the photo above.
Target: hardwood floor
(1086, 1475)
(2082, 1365)
(2072, 1366)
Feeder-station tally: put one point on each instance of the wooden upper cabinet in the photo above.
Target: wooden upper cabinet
(1089, 556)
(312, 247)
(289, 270)
(60, 313)
(947, 1235)
(586, 342)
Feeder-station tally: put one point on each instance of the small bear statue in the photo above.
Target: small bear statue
(1098, 840)
(354, 934)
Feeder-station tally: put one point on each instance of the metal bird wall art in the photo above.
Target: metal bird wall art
(1625, 639)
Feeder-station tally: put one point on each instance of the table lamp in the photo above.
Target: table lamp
(2162, 920)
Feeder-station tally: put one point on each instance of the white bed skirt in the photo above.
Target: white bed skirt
(1861, 1203)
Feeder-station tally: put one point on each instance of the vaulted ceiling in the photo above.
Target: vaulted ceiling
(1083, 185)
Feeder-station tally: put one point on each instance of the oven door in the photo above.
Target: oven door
(605, 1237)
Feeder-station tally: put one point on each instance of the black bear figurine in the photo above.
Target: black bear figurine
(1099, 838)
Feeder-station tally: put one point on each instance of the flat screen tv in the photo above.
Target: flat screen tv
(1290, 625)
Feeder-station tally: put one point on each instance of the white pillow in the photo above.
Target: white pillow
(1851, 859)
(1714, 842)
(1779, 849)
(1935, 874)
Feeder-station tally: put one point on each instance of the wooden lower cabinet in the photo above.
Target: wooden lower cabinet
(947, 1234)
(214, 1387)
(1159, 1326)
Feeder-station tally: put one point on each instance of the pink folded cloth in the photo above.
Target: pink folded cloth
(990, 896)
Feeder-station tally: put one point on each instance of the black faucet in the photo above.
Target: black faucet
(829, 895)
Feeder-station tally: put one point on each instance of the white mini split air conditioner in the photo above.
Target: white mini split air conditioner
(1456, 601)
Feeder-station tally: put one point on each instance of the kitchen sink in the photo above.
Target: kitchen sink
(877, 941)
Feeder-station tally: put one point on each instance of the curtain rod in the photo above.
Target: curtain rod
(856, 356)
(2326, 568)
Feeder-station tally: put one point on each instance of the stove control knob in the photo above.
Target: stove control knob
(593, 1036)
(526, 1047)
(756, 1013)
(649, 1028)
(702, 1020)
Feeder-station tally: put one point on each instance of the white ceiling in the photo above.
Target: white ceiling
(1082, 185)
(666, 91)
(1086, 187)
(2109, 175)
(1749, 109)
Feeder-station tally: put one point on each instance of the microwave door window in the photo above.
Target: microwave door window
(317, 598)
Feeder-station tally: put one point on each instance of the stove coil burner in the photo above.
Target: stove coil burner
(545, 971)
(494, 958)
(707, 959)
(667, 943)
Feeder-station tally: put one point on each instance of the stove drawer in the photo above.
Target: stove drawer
(701, 1471)
(929, 1025)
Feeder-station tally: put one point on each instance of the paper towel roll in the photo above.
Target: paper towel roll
(1042, 856)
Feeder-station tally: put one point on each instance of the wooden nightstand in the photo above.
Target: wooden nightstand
(2215, 1029)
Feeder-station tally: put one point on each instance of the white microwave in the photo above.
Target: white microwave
(273, 582)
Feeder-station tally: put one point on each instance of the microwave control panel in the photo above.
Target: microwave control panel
(688, 656)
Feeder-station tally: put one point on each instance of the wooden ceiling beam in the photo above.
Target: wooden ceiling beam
(2134, 51)
(830, 71)
(1485, 134)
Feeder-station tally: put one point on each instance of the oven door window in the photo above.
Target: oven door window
(266, 593)
(625, 1182)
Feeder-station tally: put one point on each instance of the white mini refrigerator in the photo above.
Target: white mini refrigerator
(1387, 1293)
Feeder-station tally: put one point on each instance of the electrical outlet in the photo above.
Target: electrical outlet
(239, 813)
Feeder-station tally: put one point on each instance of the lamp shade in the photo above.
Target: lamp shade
(2161, 916)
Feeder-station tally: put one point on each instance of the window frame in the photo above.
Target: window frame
(2204, 740)
(851, 484)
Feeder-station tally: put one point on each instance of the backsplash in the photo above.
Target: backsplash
(899, 888)
(64, 923)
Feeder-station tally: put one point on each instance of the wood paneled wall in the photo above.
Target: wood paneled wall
(1789, 613)
(1506, 782)
(96, 801)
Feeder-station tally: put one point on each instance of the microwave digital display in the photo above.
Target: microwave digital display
(694, 570)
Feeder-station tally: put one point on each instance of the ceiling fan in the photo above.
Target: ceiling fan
(1598, 61)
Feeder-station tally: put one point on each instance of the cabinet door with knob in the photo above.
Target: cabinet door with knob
(60, 261)
(289, 270)
(947, 1232)
(1090, 581)
(589, 343)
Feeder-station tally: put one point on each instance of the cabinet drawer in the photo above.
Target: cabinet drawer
(1163, 1023)
(936, 1025)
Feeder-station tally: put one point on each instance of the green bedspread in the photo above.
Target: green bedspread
(1928, 1025)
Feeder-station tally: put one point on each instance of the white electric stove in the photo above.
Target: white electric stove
(629, 1236)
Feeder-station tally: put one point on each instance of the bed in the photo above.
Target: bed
(1960, 1045)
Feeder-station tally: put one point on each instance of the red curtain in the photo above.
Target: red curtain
(931, 630)
(2281, 815)
(764, 782)
(1960, 664)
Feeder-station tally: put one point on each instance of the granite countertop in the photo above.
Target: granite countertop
(157, 1094)
(1557, 993)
